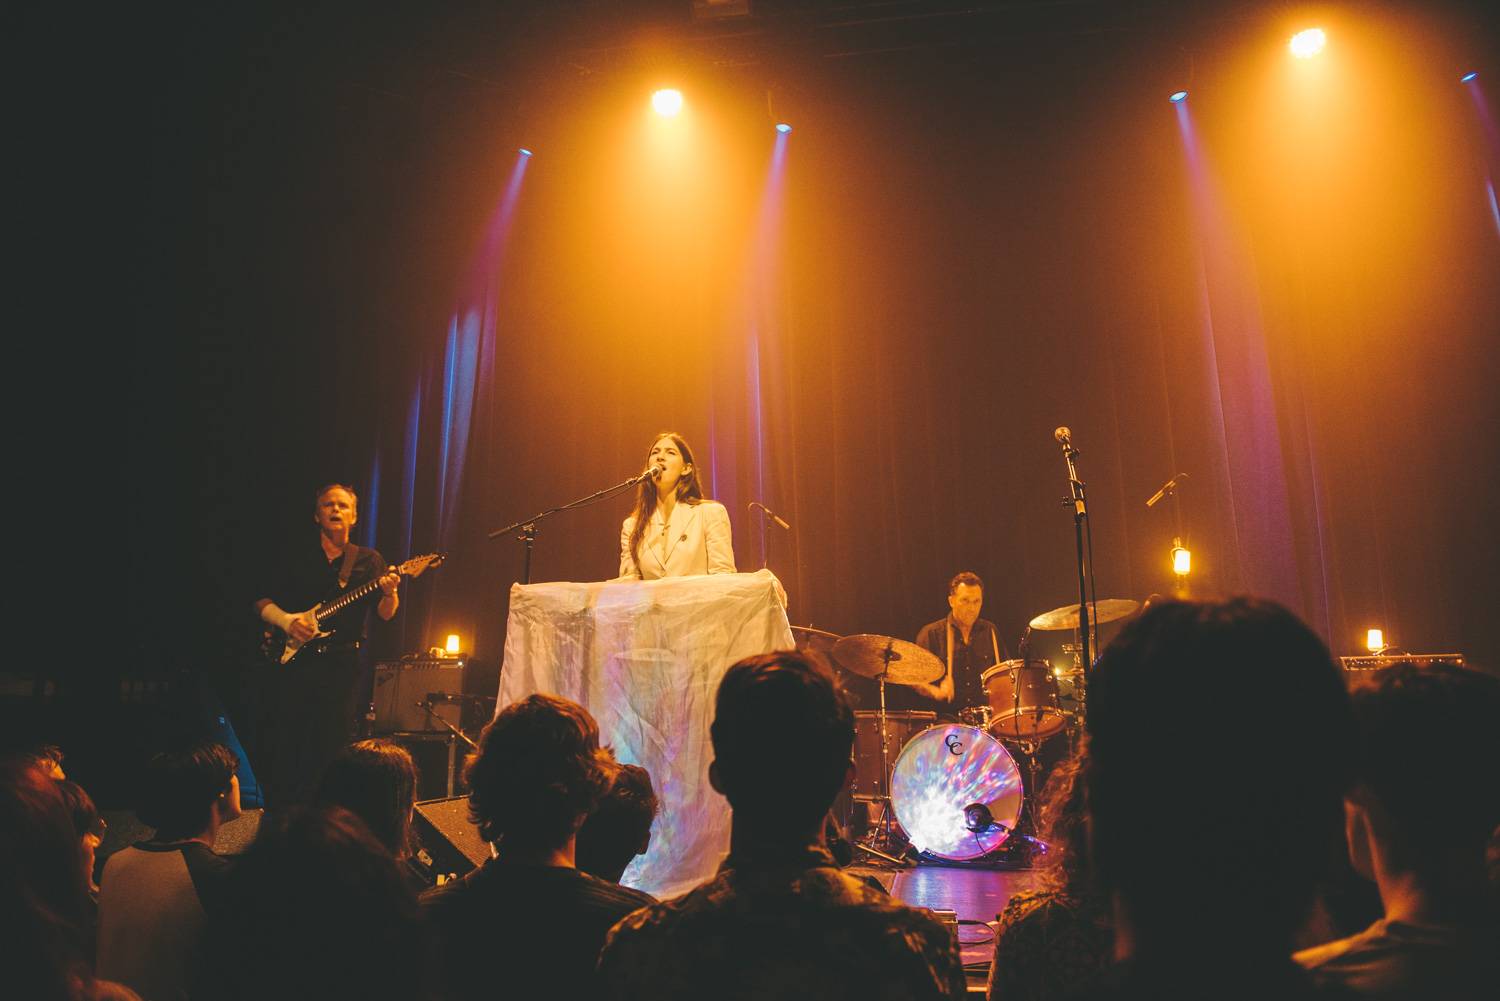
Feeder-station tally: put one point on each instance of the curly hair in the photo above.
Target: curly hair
(620, 826)
(538, 772)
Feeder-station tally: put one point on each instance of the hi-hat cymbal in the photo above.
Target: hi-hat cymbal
(1066, 617)
(816, 640)
(899, 661)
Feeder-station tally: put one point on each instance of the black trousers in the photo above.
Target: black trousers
(310, 717)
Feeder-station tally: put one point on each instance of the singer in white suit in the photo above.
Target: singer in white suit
(673, 531)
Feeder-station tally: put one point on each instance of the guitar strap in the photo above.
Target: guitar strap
(351, 553)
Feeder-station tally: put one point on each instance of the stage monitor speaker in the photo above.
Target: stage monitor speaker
(401, 684)
(125, 829)
(445, 833)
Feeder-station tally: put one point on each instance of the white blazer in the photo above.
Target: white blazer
(698, 542)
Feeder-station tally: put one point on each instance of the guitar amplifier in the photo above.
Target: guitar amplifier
(1377, 662)
(401, 684)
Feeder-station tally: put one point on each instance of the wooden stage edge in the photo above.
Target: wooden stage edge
(976, 894)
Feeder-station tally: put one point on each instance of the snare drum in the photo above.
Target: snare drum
(980, 716)
(1023, 698)
(945, 769)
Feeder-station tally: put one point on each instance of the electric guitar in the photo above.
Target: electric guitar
(280, 647)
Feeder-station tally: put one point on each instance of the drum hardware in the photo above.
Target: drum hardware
(978, 716)
(885, 658)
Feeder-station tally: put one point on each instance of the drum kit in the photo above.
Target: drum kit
(955, 789)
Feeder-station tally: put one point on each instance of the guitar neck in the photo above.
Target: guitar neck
(348, 598)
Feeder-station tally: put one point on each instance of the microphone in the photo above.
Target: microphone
(772, 515)
(653, 473)
(1166, 489)
(978, 819)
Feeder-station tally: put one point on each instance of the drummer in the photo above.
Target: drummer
(966, 644)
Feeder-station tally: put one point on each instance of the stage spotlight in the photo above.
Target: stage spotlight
(667, 102)
(1182, 559)
(524, 151)
(1306, 44)
(783, 128)
(1178, 97)
(1467, 77)
(1375, 640)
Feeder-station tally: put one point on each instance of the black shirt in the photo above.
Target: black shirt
(314, 578)
(970, 659)
(524, 931)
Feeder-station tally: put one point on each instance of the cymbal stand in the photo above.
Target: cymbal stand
(880, 831)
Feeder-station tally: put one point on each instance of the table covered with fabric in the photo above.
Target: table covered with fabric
(645, 658)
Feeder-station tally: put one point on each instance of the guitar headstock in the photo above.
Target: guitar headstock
(418, 565)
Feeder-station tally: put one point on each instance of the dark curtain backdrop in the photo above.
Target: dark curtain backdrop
(975, 246)
(950, 285)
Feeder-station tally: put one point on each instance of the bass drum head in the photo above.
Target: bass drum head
(941, 771)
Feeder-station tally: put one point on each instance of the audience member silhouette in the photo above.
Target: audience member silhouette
(1056, 938)
(87, 823)
(781, 920)
(376, 780)
(1424, 804)
(155, 896)
(1220, 741)
(529, 918)
(619, 828)
(318, 909)
(44, 901)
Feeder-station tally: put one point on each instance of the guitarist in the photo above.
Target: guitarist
(314, 695)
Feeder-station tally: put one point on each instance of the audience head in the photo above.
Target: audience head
(1220, 740)
(43, 889)
(188, 789)
(1425, 788)
(87, 823)
(323, 911)
(619, 828)
(538, 772)
(45, 758)
(376, 780)
(781, 788)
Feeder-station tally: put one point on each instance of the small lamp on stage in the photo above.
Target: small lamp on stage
(1182, 558)
(452, 648)
(1375, 641)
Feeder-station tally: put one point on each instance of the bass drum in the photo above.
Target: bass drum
(945, 769)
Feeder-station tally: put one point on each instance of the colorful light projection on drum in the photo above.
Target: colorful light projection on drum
(941, 771)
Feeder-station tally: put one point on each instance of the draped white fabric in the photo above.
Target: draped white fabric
(645, 658)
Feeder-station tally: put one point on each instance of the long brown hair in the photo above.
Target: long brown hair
(645, 494)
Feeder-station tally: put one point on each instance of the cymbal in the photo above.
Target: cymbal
(899, 661)
(1066, 617)
(816, 640)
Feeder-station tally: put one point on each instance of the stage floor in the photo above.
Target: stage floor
(976, 894)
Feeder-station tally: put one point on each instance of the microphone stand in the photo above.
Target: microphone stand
(766, 515)
(1080, 517)
(526, 527)
(426, 707)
